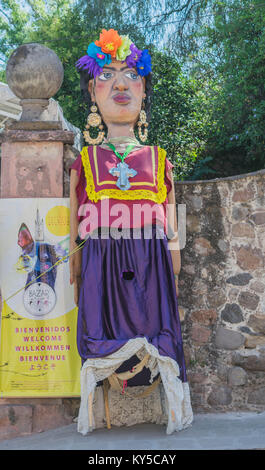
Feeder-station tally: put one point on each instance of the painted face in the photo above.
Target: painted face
(118, 92)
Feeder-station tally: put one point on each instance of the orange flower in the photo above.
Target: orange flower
(109, 41)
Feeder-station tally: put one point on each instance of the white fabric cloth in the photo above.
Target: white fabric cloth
(178, 405)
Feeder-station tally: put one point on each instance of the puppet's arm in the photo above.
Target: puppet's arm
(173, 243)
(75, 258)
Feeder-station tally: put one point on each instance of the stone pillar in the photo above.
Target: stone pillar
(32, 162)
(32, 149)
(32, 166)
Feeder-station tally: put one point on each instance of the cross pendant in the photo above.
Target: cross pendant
(123, 172)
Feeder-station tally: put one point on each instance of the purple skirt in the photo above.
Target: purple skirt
(128, 291)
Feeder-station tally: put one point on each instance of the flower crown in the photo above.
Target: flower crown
(112, 46)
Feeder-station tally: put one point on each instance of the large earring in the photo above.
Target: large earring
(94, 120)
(140, 123)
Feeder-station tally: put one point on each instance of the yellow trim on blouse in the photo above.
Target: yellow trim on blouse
(128, 194)
(132, 183)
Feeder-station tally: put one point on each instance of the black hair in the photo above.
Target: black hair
(85, 77)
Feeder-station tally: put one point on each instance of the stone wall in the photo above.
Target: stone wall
(222, 291)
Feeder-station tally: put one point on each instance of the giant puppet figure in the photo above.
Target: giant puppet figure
(124, 273)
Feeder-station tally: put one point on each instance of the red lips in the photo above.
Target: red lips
(121, 98)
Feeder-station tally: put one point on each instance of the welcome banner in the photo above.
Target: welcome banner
(38, 353)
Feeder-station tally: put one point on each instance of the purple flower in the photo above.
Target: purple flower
(88, 63)
(133, 58)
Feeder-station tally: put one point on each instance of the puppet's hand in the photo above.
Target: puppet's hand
(77, 284)
(75, 264)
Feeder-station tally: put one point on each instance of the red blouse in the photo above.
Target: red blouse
(104, 212)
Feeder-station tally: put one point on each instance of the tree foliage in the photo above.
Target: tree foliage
(236, 95)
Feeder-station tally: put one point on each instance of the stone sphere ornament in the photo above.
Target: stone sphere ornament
(34, 73)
